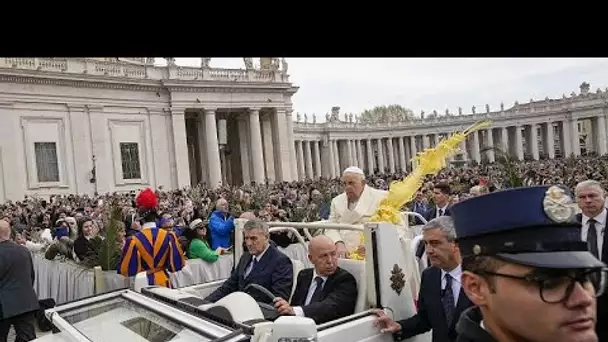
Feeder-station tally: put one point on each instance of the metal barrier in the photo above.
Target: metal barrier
(406, 215)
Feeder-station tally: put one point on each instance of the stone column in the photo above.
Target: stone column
(360, 155)
(256, 146)
(181, 149)
(330, 162)
(490, 144)
(549, 141)
(300, 154)
(425, 142)
(391, 154)
(402, 162)
(336, 160)
(566, 140)
(381, 166)
(576, 145)
(244, 147)
(202, 148)
(213, 149)
(414, 150)
(504, 139)
(475, 146)
(267, 138)
(534, 141)
(519, 148)
(308, 160)
(601, 135)
(349, 152)
(370, 156)
(283, 170)
(224, 165)
(315, 145)
(291, 144)
(353, 146)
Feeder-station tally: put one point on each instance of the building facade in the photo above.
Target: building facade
(86, 125)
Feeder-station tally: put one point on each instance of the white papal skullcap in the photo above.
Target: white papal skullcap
(355, 170)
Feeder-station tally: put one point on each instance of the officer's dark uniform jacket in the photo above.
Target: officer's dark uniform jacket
(469, 327)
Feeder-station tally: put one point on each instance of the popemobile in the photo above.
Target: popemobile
(162, 314)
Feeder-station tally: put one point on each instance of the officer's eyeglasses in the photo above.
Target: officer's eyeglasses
(556, 286)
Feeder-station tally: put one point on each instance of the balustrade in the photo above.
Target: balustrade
(125, 69)
(585, 100)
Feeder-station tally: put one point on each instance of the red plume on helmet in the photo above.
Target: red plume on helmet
(146, 200)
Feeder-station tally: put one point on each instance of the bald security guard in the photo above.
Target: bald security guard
(527, 270)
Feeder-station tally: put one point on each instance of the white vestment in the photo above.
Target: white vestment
(366, 206)
(364, 209)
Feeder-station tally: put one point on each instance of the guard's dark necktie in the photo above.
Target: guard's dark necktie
(592, 238)
(440, 212)
(448, 300)
(316, 296)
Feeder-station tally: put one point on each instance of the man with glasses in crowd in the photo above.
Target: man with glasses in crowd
(526, 270)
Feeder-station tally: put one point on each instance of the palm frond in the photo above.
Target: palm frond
(514, 179)
(106, 252)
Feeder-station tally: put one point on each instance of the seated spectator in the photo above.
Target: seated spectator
(325, 292)
(73, 225)
(61, 229)
(262, 264)
(221, 225)
(198, 245)
(83, 245)
(20, 239)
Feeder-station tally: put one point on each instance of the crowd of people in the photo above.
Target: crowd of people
(202, 219)
(301, 201)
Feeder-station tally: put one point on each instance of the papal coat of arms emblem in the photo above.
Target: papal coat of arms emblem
(558, 205)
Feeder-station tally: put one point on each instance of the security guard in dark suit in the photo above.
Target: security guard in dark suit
(526, 269)
(18, 301)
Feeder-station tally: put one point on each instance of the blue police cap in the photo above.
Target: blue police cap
(532, 226)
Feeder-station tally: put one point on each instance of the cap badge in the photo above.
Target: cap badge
(558, 205)
(476, 249)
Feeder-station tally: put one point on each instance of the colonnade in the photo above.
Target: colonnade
(327, 155)
(241, 146)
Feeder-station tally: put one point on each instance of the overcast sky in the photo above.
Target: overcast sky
(356, 84)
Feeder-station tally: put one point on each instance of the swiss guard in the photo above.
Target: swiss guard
(526, 268)
(152, 250)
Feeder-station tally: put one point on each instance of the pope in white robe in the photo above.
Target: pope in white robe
(356, 206)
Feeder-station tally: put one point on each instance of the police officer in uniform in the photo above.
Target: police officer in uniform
(526, 268)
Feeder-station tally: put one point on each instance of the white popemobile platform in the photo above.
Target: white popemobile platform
(161, 314)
